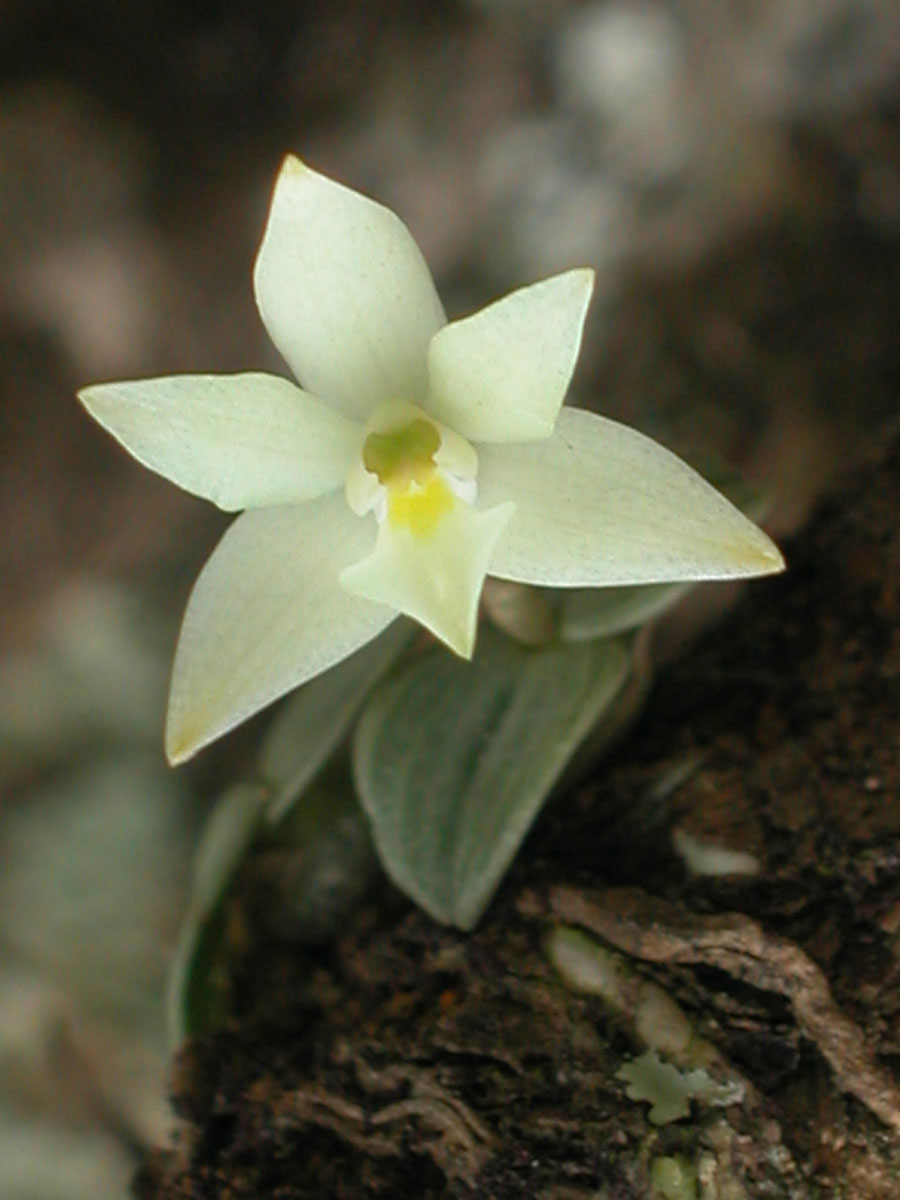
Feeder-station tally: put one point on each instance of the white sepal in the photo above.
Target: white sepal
(598, 503)
(241, 441)
(345, 293)
(502, 374)
(266, 614)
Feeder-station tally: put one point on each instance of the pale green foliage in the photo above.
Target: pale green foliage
(453, 764)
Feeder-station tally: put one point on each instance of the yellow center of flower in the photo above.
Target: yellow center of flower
(417, 495)
(420, 509)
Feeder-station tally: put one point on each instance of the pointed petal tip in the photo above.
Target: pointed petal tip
(185, 738)
(88, 396)
(188, 733)
(293, 168)
(771, 560)
(179, 749)
(461, 641)
(752, 555)
(580, 282)
(587, 277)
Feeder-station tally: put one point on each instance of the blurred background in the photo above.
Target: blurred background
(732, 171)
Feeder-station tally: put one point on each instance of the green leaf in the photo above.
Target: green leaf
(526, 614)
(588, 613)
(198, 983)
(312, 723)
(454, 760)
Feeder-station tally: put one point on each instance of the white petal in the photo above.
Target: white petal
(242, 441)
(502, 374)
(437, 578)
(598, 503)
(266, 614)
(345, 294)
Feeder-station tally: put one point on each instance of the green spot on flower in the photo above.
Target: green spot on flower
(404, 456)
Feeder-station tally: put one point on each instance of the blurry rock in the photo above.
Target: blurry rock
(101, 294)
(97, 675)
(625, 64)
(94, 875)
(66, 169)
(89, 894)
(815, 59)
(42, 1159)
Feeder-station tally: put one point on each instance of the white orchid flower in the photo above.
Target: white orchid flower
(418, 457)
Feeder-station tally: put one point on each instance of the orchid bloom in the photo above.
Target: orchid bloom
(417, 457)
